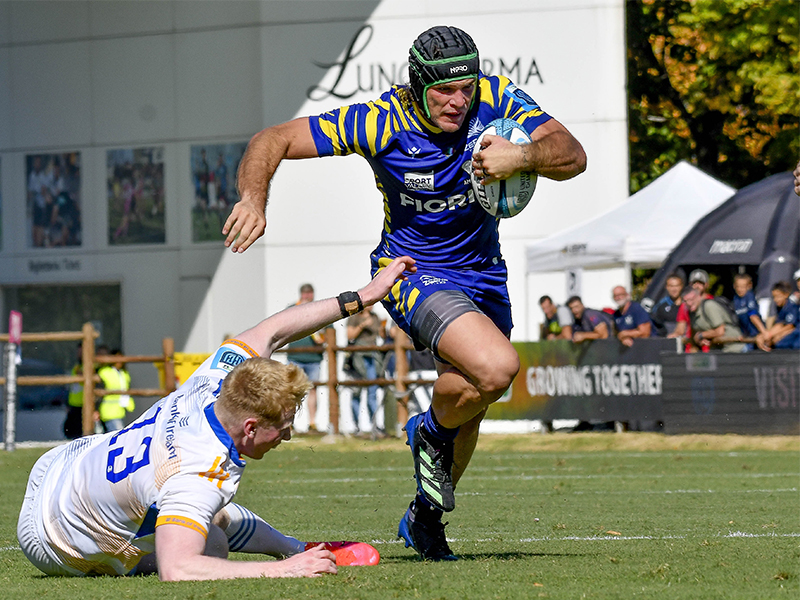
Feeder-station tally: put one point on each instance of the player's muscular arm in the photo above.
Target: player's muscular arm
(553, 153)
(298, 321)
(264, 153)
(180, 557)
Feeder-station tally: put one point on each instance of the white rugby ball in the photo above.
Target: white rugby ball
(507, 197)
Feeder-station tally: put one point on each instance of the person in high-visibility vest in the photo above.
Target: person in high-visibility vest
(73, 424)
(112, 408)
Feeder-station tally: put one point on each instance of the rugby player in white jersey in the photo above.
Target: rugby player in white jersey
(157, 495)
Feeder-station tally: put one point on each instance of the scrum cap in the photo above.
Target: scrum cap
(439, 55)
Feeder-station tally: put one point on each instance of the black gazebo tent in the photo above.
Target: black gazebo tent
(757, 229)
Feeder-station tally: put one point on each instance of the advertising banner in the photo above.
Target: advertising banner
(598, 380)
(752, 393)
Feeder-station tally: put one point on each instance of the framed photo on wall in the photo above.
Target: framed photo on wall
(53, 199)
(135, 183)
(213, 168)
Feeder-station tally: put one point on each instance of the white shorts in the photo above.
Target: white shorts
(30, 520)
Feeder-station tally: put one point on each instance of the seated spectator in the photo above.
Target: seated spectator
(589, 324)
(746, 306)
(664, 314)
(795, 297)
(711, 323)
(698, 279)
(630, 319)
(783, 333)
(557, 320)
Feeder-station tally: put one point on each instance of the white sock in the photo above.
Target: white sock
(247, 532)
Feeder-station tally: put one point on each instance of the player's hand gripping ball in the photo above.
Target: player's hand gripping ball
(507, 197)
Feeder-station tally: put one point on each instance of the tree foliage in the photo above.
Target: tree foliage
(716, 83)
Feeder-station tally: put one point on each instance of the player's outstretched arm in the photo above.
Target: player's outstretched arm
(553, 153)
(264, 153)
(301, 320)
(180, 557)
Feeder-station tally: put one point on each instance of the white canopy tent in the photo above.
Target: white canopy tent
(641, 231)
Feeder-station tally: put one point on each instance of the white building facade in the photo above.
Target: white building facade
(96, 77)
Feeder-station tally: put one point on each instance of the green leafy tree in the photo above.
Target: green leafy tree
(716, 83)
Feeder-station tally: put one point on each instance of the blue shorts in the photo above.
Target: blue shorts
(487, 289)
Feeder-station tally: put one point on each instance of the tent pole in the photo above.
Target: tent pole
(628, 277)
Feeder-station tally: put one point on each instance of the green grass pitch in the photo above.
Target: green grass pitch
(559, 516)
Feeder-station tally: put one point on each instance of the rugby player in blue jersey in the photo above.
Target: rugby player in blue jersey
(419, 139)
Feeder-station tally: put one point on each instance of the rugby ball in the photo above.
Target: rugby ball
(507, 197)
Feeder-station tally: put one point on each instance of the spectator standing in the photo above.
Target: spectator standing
(309, 362)
(698, 279)
(112, 408)
(630, 319)
(589, 324)
(557, 320)
(746, 306)
(783, 334)
(711, 322)
(363, 329)
(664, 314)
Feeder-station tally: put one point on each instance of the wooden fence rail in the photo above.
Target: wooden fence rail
(89, 379)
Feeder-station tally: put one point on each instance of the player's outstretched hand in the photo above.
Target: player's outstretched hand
(311, 563)
(244, 225)
(796, 174)
(377, 289)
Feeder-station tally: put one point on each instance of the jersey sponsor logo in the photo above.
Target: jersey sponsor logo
(226, 360)
(438, 205)
(419, 181)
(413, 151)
(431, 280)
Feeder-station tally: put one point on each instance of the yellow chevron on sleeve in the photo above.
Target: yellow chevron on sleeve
(400, 113)
(356, 142)
(183, 522)
(371, 128)
(487, 96)
(342, 114)
(329, 129)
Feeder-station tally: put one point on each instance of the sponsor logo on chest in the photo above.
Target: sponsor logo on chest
(419, 181)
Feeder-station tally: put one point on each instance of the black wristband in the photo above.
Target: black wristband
(349, 303)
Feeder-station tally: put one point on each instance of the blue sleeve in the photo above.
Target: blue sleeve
(790, 313)
(510, 102)
(640, 316)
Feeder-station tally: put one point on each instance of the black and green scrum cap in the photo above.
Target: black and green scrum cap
(439, 55)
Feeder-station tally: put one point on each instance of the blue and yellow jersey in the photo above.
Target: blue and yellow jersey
(423, 173)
